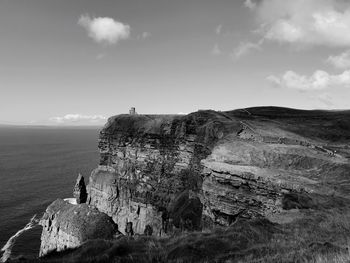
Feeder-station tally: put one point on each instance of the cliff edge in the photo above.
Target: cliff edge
(191, 172)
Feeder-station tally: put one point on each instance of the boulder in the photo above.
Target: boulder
(67, 226)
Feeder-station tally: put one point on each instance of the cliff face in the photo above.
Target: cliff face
(146, 163)
(171, 172)
(67, 226)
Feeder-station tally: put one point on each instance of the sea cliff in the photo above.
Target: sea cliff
(165, 174)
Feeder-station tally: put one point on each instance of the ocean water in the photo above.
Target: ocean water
(37, 166)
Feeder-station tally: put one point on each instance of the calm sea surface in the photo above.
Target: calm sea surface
(37, 166)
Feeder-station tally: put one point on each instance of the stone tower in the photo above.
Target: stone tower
(132, 111)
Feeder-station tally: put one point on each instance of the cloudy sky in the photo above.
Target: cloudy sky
(80, 61)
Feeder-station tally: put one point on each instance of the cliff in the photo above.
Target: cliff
(164, 174)
(190, 172)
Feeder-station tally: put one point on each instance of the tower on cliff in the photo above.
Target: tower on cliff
(132, 111)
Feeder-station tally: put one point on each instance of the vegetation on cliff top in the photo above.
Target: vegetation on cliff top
(295, 236)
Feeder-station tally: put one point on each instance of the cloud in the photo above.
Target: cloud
(216, 50)
(245, 48)
(326, 99)
(276, 81)
(304, 22)
(104, 29)
(100, 56)
(144, 35)
(78, 119)
(218, 29)
(317, 81)
(341, 61)
(250, 4)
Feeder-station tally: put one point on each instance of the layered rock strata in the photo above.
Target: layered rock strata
(233, 163)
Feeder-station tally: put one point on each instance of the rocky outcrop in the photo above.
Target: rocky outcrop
(68, 226)
(234, 163)
(146, 162)
(79, 192)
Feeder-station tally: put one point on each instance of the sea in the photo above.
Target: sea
(37, 166)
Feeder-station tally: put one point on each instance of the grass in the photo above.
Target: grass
(317, 236)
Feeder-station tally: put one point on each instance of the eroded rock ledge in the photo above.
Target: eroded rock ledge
(67, 226)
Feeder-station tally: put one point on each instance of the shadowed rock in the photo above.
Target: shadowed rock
(128, 230)
(148, 230)
(297, 200)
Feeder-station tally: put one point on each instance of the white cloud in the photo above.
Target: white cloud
(250, 4)
(341, 61)
(104, 29)
(317, 81)
(78, 118)
(216, 50)
(218, 29)
(146, 35)
(276, 81)
(304, 22)
(245, 48)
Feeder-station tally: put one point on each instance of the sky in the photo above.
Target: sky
(78, 62)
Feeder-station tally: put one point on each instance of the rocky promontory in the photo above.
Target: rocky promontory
(67, 226)
(166, 174)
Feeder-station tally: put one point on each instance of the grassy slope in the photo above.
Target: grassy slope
(307, 236)
(332, 126)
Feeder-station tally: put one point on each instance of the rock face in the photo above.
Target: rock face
(68, 226)
(146, 162)
(79, 191)
(166, 172)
